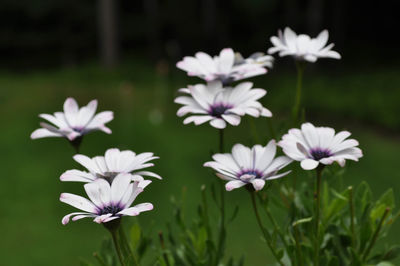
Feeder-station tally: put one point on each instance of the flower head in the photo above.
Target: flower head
(227, 67)
(107, 202)
(249, 166)
(110, 165)
(302, 47)
(219, 105)
(74, 122)
(314, 145)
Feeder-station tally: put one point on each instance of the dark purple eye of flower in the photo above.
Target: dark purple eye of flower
(78, 129)
(114, 209)
(255, 173)
(318, 153)
(217, 110)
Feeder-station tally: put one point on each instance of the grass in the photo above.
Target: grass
(144, 120)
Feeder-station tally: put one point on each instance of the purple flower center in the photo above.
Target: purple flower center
(114, 209)
(218, 109)
(318, 153)
(255, 173)
(78, 129)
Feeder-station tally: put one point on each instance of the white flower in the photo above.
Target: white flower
(226, 67)
(219, 105)
(302, 47)
(249, 166)
(110, 165)
(74, 122)
(107, 202)
(314, 145)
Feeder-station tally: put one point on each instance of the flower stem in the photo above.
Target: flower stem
(221, 140)
(298, 247)
(221, 236)
(376, 234)
(317, 209)
(117, 246)
(165, 257)
(353, 233)
(275, 224)
(297, 103)
(263, 230)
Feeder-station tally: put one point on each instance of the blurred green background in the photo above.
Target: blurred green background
(51, 50)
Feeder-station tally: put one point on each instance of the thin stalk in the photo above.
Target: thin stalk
(126, 244)
(221, 140)
(263, 230)
(99, 260)
(161, 237)
(317, 209)
(117, 246)
(275, 224)
(376, 234)
(271, 128)
(353, 232)
(298, 247)
(205, 212)
(297, 103)
(221, 236)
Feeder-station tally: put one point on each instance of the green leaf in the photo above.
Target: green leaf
(301, 221)
(385, 263)
(362, 198)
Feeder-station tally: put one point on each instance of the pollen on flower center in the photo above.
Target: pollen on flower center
(318, 153)
(113, 209)
(217, 110)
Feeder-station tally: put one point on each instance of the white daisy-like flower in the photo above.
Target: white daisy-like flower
(218, 105)
(302, 46)
(249, 166)
(110, 165)
(74, 122)
(313, 146)
(227, 67)
(107, 202)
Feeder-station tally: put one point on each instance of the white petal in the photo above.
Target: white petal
(309, 164)
(258, 184)
(78, 202)
(234, 184)
(77, 176)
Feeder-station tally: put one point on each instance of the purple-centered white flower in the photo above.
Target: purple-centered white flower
(218, 105)
(227, 67)
(302, 47)
(74, 122)
(314, 145)
(249, 166)
(107, 202)
(110, 165)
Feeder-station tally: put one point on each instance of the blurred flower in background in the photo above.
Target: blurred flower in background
(227, 67)
(302, 47)
(110, 165)
(74, 122)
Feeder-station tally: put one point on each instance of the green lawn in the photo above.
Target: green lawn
(145, 120)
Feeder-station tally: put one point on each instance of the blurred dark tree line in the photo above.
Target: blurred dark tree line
(65, 32)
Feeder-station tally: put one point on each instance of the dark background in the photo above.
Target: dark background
(123, 53)
(58, 33)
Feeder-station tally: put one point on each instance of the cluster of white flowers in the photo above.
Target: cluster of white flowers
(220, 104)
(113, 181)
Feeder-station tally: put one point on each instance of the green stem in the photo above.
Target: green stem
(271, 128)
(221, 140)
(263, 230)
(298, 247)
(297, 103)
(353, 232)
(161, 237)
(117, 246)
(275, 224)
(221, 237)
(376, 234)
(317, 209)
